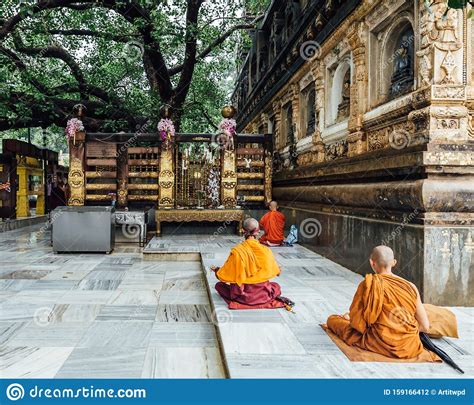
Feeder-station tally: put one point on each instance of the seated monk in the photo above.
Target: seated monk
(244, 277)
(386, 314)
(273, 224)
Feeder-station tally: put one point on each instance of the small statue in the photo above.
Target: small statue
(402, 78)
(343, 108)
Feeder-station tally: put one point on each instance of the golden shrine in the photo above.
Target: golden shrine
(197, 177)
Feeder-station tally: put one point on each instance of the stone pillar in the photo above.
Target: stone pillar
(444, 116)
(295, 105)
(318, 145)
(276, 106)
(357, 140)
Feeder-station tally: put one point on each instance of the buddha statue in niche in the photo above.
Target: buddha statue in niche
(402, 77)
(344, 106)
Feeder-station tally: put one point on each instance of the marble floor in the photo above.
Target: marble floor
(127, 315)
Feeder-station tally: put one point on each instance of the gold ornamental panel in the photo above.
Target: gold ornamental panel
(76, 182)
(229, 180)
(166, 178)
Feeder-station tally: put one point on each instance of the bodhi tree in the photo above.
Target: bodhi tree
(121, 59)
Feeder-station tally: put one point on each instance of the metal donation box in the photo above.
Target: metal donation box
(83, 229)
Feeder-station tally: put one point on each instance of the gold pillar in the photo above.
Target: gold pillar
(268, 176)
(22, 204)
(76, 178)
(166, 178)
(229, 179)
(76, 182)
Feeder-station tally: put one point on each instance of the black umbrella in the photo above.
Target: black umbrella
(429, 345)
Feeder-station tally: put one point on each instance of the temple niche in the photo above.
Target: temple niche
(340, 94)
(403, 76)
(310, 112)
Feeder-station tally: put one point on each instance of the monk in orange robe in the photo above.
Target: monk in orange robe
(273, 224)
(386, 314)
(244, 277)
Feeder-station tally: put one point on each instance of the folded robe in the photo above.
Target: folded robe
(273, 223)
(382, 318)
(249, 262)
(244, 277)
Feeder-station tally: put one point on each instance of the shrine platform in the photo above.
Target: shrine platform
(124, 315)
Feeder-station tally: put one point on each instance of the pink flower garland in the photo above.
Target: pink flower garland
(228, 126)
(73, 125)
(166, 130)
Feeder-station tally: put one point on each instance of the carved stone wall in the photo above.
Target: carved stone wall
(399, 152)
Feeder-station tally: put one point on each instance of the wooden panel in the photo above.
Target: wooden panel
(250, 198)
(250, 175)
(254, 163)
(143, 149)
(98, 174)
(250, 151)
(98, 197)
(101, 162)
(103, 186)
(143, 174)
(101, 149)
(251, 187)
(142, 186)
(143, 162)
(132, 197)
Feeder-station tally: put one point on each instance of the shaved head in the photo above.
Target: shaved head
(383, 256)
(273, 205)
(250, 225)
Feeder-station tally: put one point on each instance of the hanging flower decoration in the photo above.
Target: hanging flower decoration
(73, 126)
(228, 129)
(167, 131)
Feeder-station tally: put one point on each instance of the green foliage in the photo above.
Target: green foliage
(112, 61)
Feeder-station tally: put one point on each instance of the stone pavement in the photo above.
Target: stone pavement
(132, 314)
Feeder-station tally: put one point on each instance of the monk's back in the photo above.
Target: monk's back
(386, 317)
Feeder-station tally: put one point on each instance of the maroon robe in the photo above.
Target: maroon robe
(249, 294)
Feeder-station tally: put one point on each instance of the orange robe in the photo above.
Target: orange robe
(249, 263)
(273, 223)
(382, 318)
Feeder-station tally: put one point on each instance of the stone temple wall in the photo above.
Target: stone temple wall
(371, 105)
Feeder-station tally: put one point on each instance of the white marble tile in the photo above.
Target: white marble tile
(32, 362)
(183, 334)
(134, 297)
(184, 297)
(259, 338)
(117, 334)
(183, 362)
(49, 335)
(104, 362)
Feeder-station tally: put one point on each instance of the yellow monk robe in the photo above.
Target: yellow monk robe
(382, 318)
(249, 263)
(273, 223)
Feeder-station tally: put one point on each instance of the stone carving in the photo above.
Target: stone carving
(336, 150)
